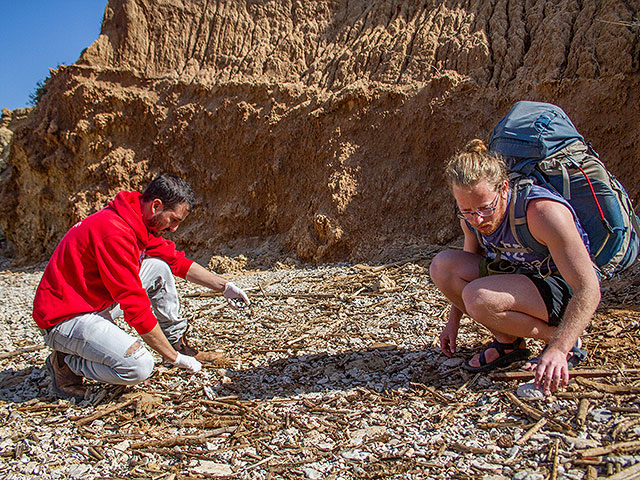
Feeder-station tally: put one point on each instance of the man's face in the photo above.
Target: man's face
(482, 206)
(162, 220)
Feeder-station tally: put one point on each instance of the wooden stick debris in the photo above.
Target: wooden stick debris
(631, 473)
(583, 409)
(614, 447)
(450, 414)
(20, 351)
(437, 395)
(291, 397)
(223, 404)
(106, 411)
(580, 395)
(518, 375)
(623, 427)
(458, 447)
(41, 406)
(554, 468)
(537, 414)
(614, 389)
(183, 439)
(625, 409)
(529, 433)
(506, 424)
(261, 462)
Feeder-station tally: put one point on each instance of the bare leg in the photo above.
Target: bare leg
(452, 270)
(510, 306)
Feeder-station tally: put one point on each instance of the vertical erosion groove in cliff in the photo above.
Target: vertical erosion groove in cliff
(315, 127)
(329, 45)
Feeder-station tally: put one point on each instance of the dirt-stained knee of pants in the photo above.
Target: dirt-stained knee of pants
(133, 349)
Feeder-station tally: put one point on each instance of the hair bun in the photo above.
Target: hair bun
(476, 146)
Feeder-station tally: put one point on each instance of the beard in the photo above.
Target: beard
(152, 226)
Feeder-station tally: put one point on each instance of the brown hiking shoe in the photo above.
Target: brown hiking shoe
(65, 383)
(183, 347)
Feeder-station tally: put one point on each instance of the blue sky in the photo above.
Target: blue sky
(36, 35)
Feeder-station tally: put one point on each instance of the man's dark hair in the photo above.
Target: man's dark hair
(172, 190)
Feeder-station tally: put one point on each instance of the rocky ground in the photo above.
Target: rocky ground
(334, 373)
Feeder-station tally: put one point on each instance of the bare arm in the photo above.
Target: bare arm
(200, 275)
(551, 223)
(471, 245)
(156, 338)
(235, 296)
(158, 341)
(450, 333)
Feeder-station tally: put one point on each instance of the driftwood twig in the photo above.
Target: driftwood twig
(20, 351)
(603, 387)
(517, 375)
(537, 414)
(537, 426)
(106, 411)
(614, 447)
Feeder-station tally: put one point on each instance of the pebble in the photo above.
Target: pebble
(453, 362)
(601, 415)
(355, 455)
(528, 475)
(528, 390)
(312, 473)
(206, 467)
(573, 474)
(578, 442)
(79, 472)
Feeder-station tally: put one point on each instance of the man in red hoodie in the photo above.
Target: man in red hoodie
(116, 261)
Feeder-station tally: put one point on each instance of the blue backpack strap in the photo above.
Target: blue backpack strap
(518, 219)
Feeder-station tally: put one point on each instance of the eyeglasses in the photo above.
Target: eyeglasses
(481, 212)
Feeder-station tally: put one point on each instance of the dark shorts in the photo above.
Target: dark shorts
(554, 290)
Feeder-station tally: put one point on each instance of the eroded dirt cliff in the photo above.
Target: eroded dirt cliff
(318, 128)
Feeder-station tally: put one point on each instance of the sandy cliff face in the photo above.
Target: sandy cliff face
(314, 127)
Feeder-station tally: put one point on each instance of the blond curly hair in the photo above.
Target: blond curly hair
(474, 163)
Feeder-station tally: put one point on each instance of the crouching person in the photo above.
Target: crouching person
(116, 262)
(515, 295)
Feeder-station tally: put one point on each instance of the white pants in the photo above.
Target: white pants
(100, 350)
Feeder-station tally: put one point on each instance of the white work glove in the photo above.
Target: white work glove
(235, 296)
(188, 363)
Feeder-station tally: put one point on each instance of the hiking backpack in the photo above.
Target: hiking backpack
(540, 145)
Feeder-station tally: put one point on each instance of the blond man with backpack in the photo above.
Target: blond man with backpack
(530, 268)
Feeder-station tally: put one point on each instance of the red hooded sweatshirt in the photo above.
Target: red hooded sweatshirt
(98, 262)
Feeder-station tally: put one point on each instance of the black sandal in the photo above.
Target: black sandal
(504, 359)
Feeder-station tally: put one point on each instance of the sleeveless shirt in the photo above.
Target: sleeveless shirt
(503, 241)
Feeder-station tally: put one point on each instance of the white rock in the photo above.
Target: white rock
(79, 471)
(528, 390)
(355, 455)
(578, 442)
(357, 436)
(122, 447)
(453, 362)
(495, 477)
(601, 415)
(207, 467)
(528, 475)
(312, 473)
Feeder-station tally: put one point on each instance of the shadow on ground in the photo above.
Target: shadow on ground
(376, 369)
